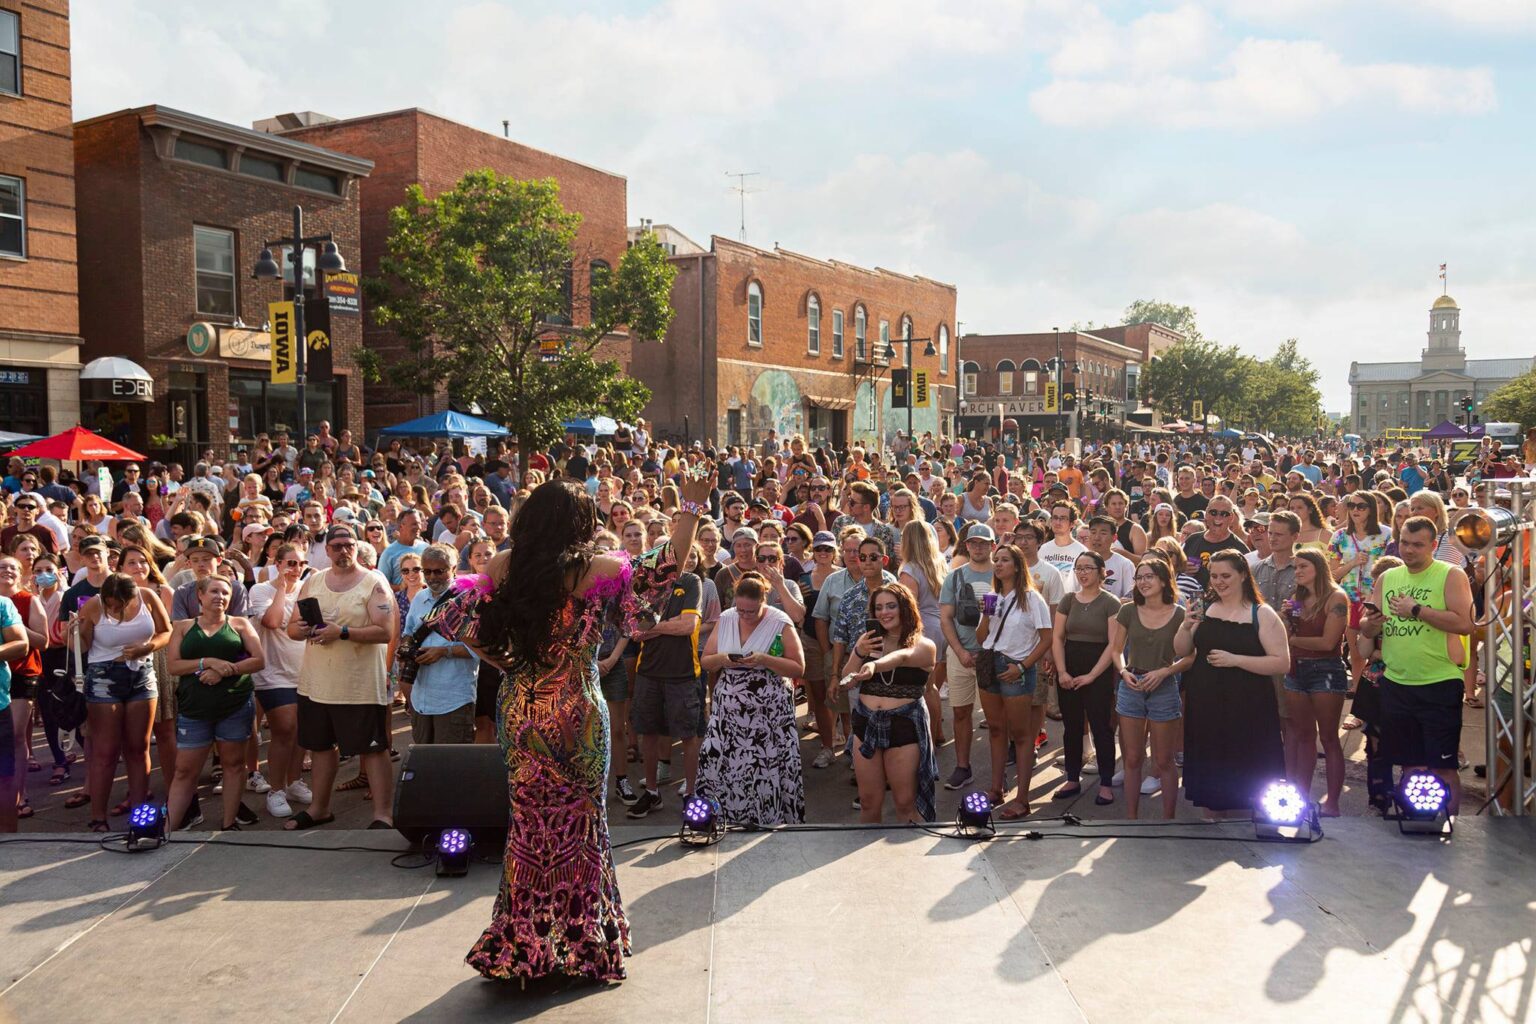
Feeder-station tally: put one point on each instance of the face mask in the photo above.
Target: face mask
(46, 579)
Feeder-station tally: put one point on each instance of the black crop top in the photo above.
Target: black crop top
(905, 682)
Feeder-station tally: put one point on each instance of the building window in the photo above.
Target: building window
(754, 314)
(261, 167)
(813, 326)
(317, 181)
(837, 334)
(215, 261)
(13, 217)
(860, 333)
(943, 349)
(969, 373)
(882, 354)
(1005, 377)
(10, 52)
(1031, 382)
(202, 153)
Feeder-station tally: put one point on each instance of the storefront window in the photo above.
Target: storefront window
(259, 406)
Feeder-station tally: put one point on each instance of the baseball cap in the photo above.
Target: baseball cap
(306, 471)
(824, 539)
(1262, 518)
(210, 544)
(981, 531)
(761, 503)
(339, 531)
(745, 531)
(344, 515)
(256, 528)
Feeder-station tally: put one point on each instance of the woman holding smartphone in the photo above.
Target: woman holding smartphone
(1085, 675)
(890, 663)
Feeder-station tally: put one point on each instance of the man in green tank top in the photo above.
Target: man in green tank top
(1423, 613)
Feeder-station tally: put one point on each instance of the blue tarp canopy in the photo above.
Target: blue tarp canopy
(598, 425)
(1226, 432)
(446, 424)
(12, 440)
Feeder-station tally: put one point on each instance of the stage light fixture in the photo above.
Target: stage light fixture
(701, 822)
(453, 847)
(146, 827)
(1423, 803)
(1286, 815)
(1479, 530)
(974, 819)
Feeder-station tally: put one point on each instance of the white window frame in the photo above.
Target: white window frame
(20, 216)
(813, 326)
(944, 349)
(754, 319)
(837, 334)
(200, 231)
(1031, 382)
(969, 372)
(860, 333)
(884, 343)
(6, 88)
(1005, 377)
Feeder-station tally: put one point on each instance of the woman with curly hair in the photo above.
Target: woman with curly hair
(558, 909)
(1314, 528)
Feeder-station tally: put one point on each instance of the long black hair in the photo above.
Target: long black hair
(550, 548)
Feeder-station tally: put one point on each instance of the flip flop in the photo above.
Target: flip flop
(25, 810)
(1474, 702)
(1019, 814)
(121, 809)
(98, 826)
(78, 800)
(303, 820)
(1350, 723)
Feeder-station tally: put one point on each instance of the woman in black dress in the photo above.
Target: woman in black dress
(1232, 748)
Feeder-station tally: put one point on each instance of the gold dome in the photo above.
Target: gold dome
(1444, 302)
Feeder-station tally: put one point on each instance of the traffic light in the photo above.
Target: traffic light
(1466, 404)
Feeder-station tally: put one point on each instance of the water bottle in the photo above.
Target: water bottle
(776, 649)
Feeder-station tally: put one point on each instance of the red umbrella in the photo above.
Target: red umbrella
(77, 444)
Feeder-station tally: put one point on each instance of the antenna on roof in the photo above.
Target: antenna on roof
(506, 129)
(740, 188)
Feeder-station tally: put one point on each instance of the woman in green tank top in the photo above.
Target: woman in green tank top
(213, 656)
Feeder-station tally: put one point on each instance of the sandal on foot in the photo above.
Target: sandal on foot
(1474, 702)
(33, 765)
(303, 820)
(25, 810)
(121, 809)
(60, 775)
(360, 782)
(98, 826)
(78, 800)
(1013, 811)
(1350, 723)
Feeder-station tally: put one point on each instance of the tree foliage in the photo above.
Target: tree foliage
(474, 279)
(1195, 370)
(1166, 314)
(1515, 402)
(1280, 394)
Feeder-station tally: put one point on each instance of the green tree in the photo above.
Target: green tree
(1167, 314)
(1280, 393)
(1515, 402)
(476, 278)
(1196, 370)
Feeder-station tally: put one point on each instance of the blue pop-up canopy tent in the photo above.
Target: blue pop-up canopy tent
(446, 424)
(600, 426)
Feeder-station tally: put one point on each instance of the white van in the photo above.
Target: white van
(1507, 435)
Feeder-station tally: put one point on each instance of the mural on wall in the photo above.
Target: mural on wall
(894, 421)
(864, 427)
(775, 404)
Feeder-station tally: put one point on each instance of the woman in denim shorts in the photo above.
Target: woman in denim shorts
(1015, 634)
(1314, 688)
(120, 629)
(1147, 694)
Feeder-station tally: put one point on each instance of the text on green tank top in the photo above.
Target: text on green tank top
(1416, 653)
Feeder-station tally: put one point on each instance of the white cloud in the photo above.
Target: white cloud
(1265, 81)
(1498, 15)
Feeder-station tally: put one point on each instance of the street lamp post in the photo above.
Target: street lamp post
(328, 262)
(929, 350)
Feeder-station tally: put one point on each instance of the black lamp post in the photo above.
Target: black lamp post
(329, 262)
(928, 350)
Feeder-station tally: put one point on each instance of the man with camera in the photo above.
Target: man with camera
(440, 673)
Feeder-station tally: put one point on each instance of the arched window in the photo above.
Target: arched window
(1030, 364)
(860, 334)
(1005, 377)
(943, 348)
(969, 372)
(598, 275)
(754, 314)
(813, 326)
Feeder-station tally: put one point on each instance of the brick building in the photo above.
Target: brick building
(770, 339)
(1006, 375)
(39, 307)
(418, 147)
(174, 209)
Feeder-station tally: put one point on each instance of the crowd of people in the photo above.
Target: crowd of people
(1196, 613)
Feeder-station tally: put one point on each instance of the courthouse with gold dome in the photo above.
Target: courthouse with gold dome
(1430, 389)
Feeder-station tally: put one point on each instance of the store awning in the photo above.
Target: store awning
(115, 379)
(835, 404)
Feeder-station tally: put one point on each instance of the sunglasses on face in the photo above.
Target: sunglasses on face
(412, 571)
(1221, 512)
(291, 562)
(871, 558)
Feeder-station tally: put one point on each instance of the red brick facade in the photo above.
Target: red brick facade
(39, 308)
(417, 147)
(734, 376)
(1011, 371)
(141, 200)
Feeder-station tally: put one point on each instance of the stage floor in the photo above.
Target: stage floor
(829, 926)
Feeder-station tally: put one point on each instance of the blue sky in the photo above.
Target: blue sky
(1287, 167)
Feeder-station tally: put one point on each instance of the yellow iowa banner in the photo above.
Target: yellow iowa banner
(284, 365)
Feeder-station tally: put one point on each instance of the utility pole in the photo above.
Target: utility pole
(741, 190)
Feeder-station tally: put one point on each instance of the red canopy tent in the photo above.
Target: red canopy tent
(77, 444)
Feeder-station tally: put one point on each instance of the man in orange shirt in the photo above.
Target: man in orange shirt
(1070, 475)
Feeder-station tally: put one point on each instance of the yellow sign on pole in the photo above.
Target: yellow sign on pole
(1051, 403)
(1197, 411)
(284, 364)
(920, 398)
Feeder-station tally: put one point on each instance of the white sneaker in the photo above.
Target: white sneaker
(1091, 765)
(299, 790)
(1151, 785)
(1118, 779)
(277, 804)
(218, 787)
(257, 783)
(664, 771)
(682, 789)
(824, 759)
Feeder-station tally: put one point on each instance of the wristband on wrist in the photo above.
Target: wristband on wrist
(692, 508)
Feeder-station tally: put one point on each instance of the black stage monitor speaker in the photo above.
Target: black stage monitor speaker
(454, 785)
